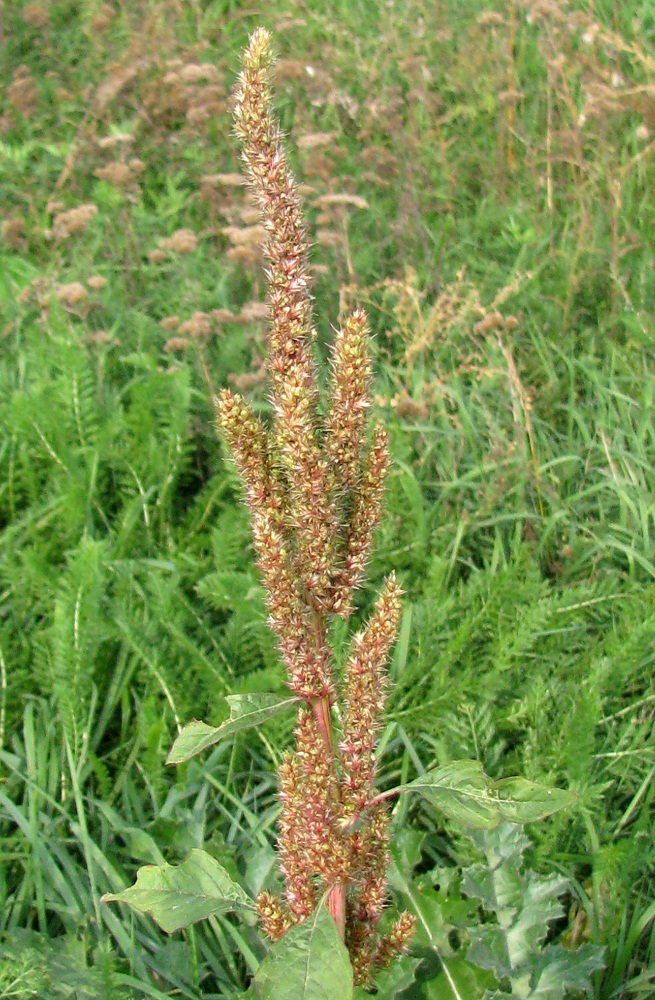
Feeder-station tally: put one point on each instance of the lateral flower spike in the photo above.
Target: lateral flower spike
(314, 488)
(351, 380)
(366, 682)
(365, 517)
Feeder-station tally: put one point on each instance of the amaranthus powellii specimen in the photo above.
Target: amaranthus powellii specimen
(314, 487)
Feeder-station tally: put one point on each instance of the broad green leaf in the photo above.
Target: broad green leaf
(489, 950)
(309, 963)
(246, 711)
(511, 947)
(557, 971)
(178, 896)
(523, 801)
(459, 981)
(399, 976)
(525, 905)
(461, 791)
(464, 793)
(566, 970)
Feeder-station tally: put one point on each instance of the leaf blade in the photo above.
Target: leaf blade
(309, 963)
(523, 801)
(178, 895)
(464, 793)
(246, 712)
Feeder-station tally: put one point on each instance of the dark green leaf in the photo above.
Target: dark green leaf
(246, 711)
(309, 963)
(178, 896)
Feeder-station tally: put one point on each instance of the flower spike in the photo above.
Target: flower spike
(314, 490)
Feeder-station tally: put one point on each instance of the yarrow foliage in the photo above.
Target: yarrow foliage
(314, 488)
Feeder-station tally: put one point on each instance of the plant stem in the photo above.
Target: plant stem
(336, 901)
(336, 904)
(321, 710)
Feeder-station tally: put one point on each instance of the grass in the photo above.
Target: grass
(504, 157)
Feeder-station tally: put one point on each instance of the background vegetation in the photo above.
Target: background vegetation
(480, 176)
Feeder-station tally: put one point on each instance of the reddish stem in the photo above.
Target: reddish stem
(336, 901)
(321, 710)
(336, 904)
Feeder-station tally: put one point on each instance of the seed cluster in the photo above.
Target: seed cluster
(314, 488)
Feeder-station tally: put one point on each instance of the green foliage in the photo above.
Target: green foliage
(32, 966)
(178, 897)
(63, 853)
(246, 712)
(485, 930)
(310, 962)
(524, 905)
(466, 795)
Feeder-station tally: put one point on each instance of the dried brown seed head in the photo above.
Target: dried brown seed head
(72, 294)
(74, 220)
(96, 282)
(176, 345)
(182, 241)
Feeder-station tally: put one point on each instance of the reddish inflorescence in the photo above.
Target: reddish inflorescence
(314, 488)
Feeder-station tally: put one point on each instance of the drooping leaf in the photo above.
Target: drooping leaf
(176, 896)
(464, 793)
(309, 963)
(246, 711)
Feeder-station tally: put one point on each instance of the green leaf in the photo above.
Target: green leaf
(178, 896)
(489, 950)
(399, 976)
(458, 981)
(522, 801)
(464, 793)
(525, 905)
(246, 711)
(566, 970)
(461, 791)
(309, 963)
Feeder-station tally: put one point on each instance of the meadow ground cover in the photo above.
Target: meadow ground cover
(479, 177)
